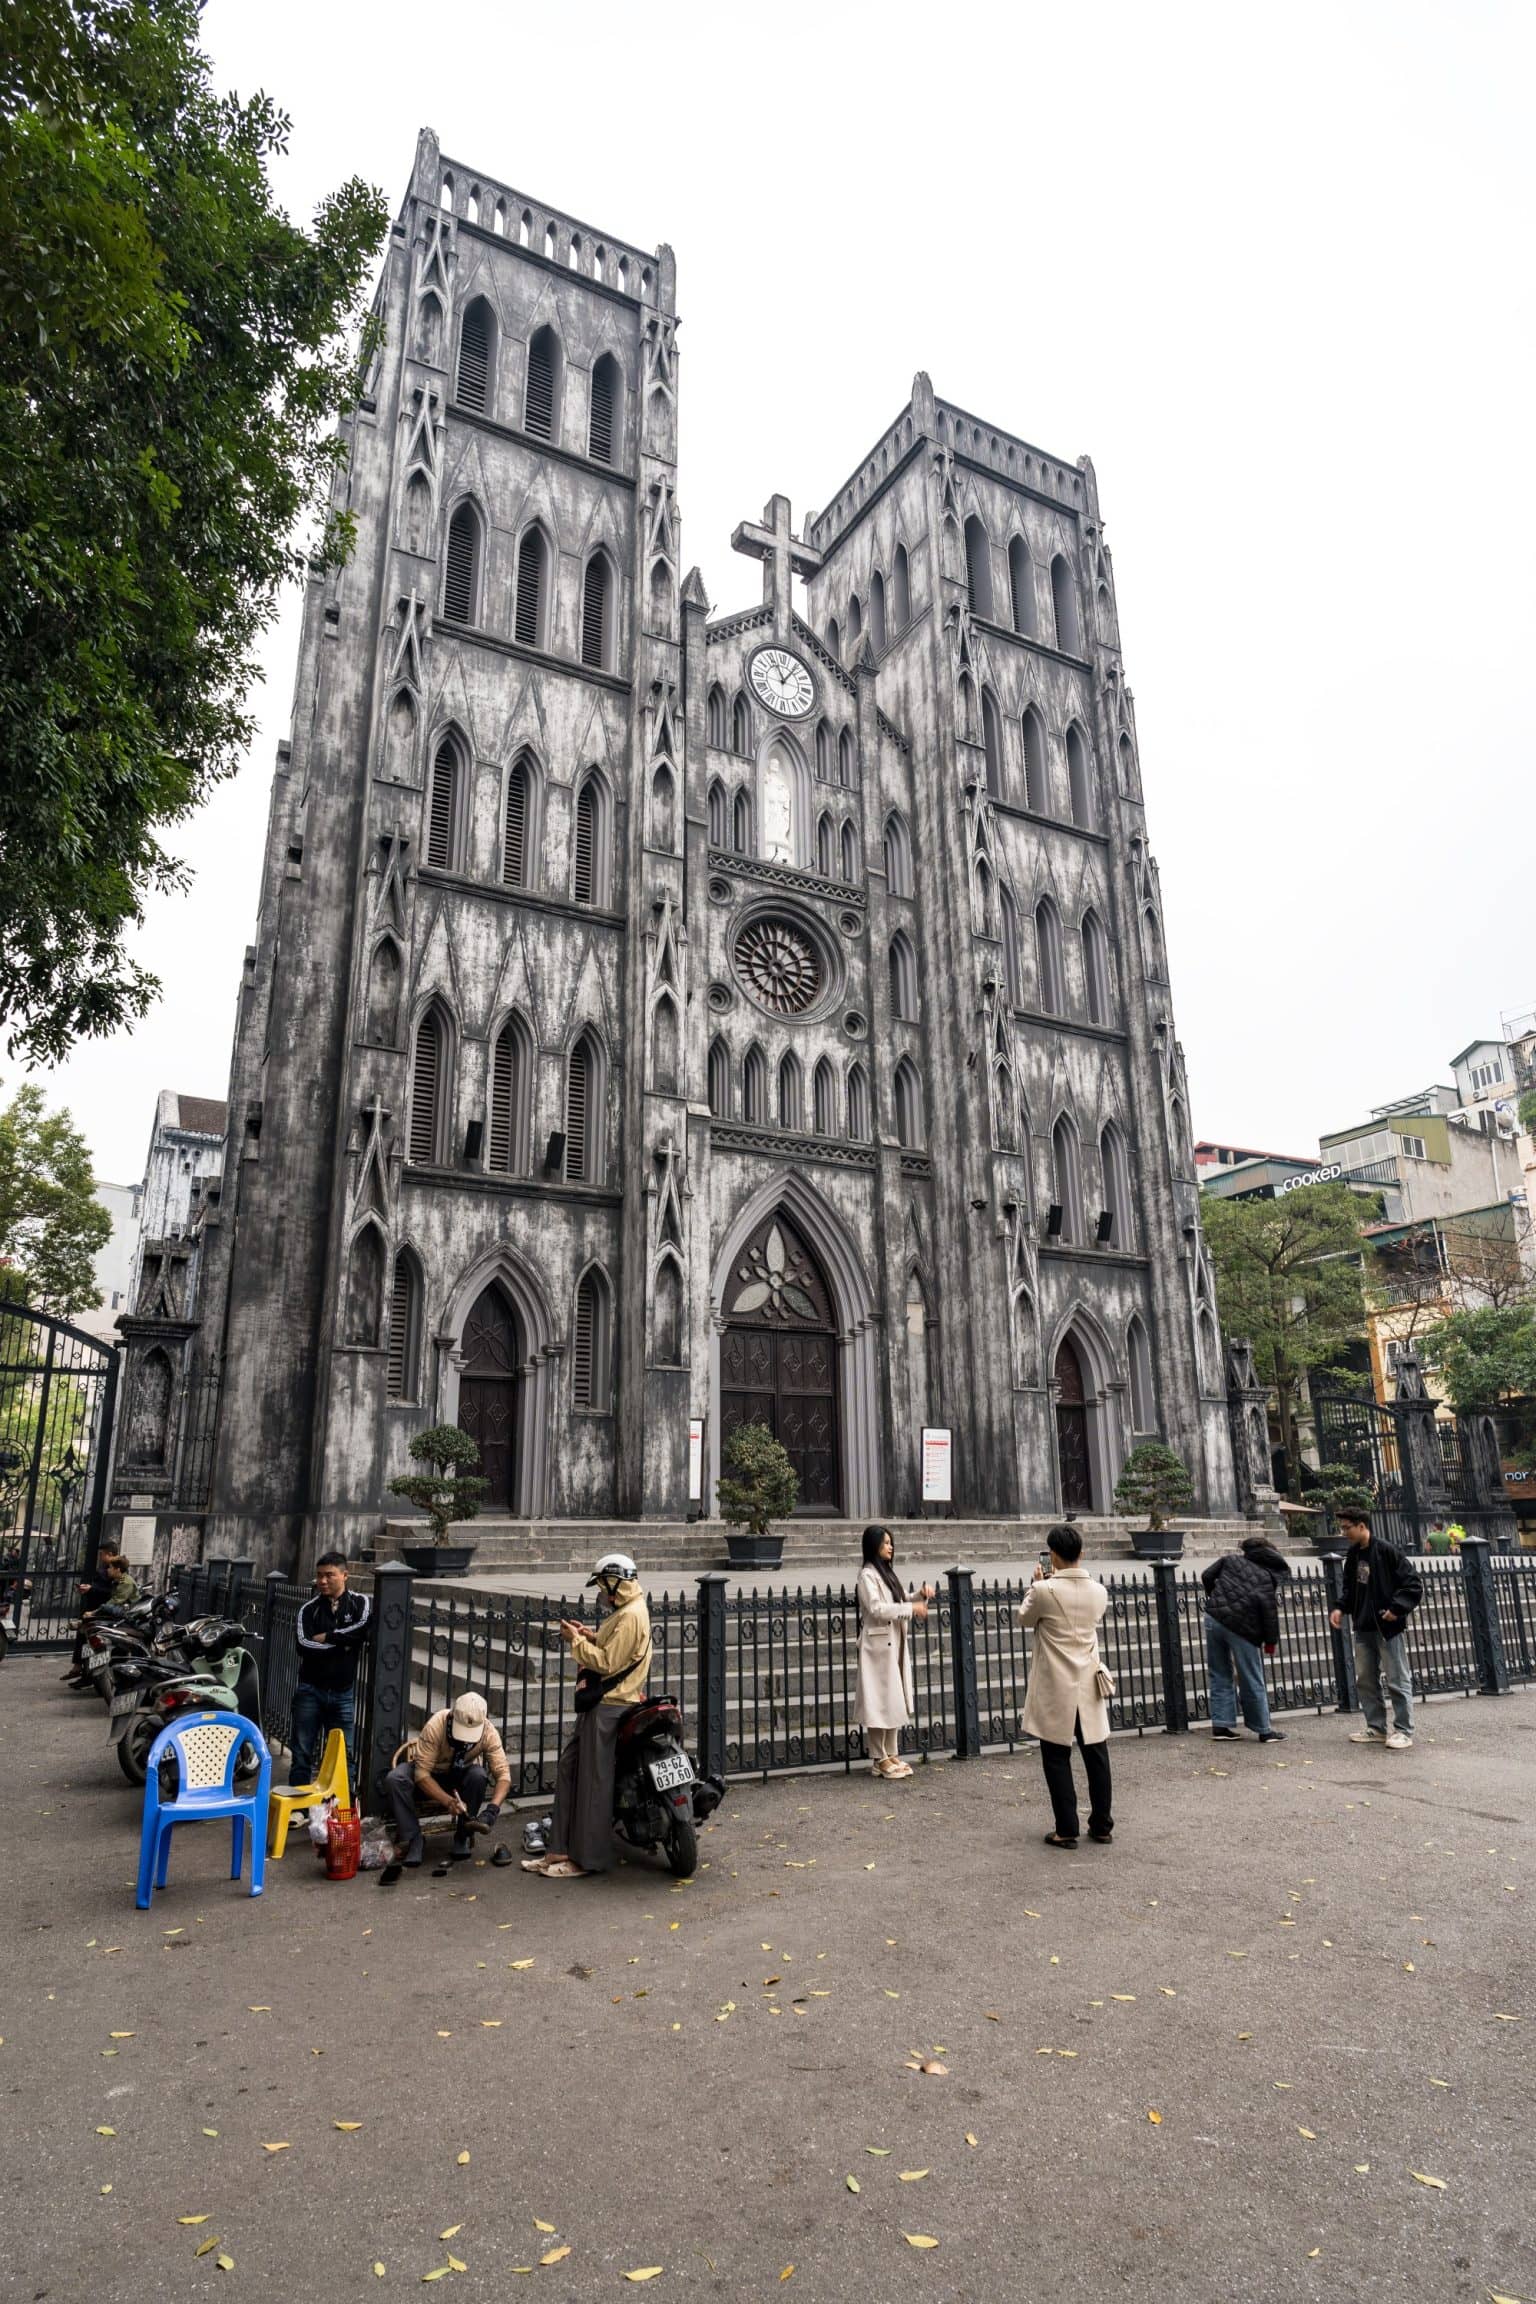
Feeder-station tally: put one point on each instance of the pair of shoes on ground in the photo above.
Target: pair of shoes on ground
(1234, 1735)
(893, 1771)
(560, 1869)
(1069, 1840)
(1395, 1740)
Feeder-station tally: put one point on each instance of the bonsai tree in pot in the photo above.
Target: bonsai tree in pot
(447, 1489)
(1326, 1492)
(1156, 1482)
(756, 1484)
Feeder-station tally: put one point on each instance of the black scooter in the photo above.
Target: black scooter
(658, 1801)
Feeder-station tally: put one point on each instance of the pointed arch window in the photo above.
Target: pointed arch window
(978, 567)
(719, 815)
(716, 728)
(585, 1096)
(834, 638)
(877, 613)
(850, 851)
(429, 1090)
(1177, 1134)
(1050, 974)
(992, 743)
(741, 824)
(597, 614)
(898, 855)
(1152, 936)
(791, 1095)
(405, 1328)
(1004, 1108)
(509, 1150)
(855, 625)
(1095, 969)
(754, 1088)
(477, 345)
(1115, 1175)
(1037, 794)
(1143, 1400)
(903, 977)
(445, 808)
(981, 898)
(664, 1046)
(603, 431)
(824, 1098)
(858, 1104)
(824, 844)
(663, 822)
(741, 725)
(541, 403)
(1080, 779)
(531, 608)
(517, 831)
(1013, 978)
(669, 1313)
(365, 1287)
(719, 1079)
(1064, 604)
(384, 994)
(461, 566)
(1021, 588)
(592, 1342)
(901, 592)
(1026, 1352)
(909, 1105)
(845, 758)
(589, 878)
(1067, 1179)
(823, 752)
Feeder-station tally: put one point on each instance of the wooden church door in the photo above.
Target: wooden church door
(778, 1358)
(1072, 1430)
(488, 1394)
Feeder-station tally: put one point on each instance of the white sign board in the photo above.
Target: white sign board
(695, 1458)
(937, 1459)
(1323, 1175)
(138, 1539)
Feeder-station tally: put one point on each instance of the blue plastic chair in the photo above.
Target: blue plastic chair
(207, 1746)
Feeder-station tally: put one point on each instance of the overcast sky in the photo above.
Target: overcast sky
(1270, 268)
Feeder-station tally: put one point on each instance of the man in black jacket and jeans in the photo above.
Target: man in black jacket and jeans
(1241, 1617)
(331, 1630)
(1381, 1591)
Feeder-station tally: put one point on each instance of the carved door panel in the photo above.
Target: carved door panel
(1072, 1431)
(778, 1359)
(488, 1394)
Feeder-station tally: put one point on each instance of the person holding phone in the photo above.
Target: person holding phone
(1067, 1698)
(885, 1658)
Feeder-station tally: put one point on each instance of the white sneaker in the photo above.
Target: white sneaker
(1367, 1736)
(1398, 1742)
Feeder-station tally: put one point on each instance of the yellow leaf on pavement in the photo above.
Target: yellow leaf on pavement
(646, 2272)
(1436, 2183)
(555, 2256)
(931, 2065)
(519, 1963)
(788, 2272)
(542, 2227)
(1308, 2133)
(452, 2230)
(970, 2139)
(106, 2131)
(878, 2151)
(122, 2035)
(1122, 1995)
(919, 2240)
(1362, 2167)
(462, 2161)
(1167, 1991)
(1156, 2119)
(912, 2175)
(440, 2274)
(378, 2271)
(277, 2147)
(191, 2219)
(210, 2131)
(853, 2183)
(457, 2264)
(208, 2246)
(347, 2127)
(490, 2023)
(225, 2263)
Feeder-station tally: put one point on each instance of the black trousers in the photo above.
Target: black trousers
(405, 1803)
(1056, 1760)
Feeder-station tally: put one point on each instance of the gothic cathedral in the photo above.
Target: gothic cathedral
(658, 1017)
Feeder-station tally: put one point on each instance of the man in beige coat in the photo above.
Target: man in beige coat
(1067, 1697)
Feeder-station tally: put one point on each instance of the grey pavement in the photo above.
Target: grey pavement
(1313, 1961)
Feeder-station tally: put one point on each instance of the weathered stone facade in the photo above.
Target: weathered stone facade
(639, 1028)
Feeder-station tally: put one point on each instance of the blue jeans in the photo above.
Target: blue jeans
(1233, 1659)
(1380, 1664)
(314, 1712)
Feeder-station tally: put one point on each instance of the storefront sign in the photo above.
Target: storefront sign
(1325, 1175)
(937, 1461)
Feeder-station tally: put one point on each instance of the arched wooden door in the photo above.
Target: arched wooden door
(778, 1358)
(1072, 1430)
(488, 1393)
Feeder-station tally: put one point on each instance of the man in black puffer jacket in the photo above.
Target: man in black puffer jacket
(1242, 1618)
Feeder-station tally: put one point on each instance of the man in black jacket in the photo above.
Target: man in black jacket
(1241, 1617)
(1381, 1591)
(331, 1630)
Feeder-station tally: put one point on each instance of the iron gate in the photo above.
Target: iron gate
(1366, 1439)
(58, 1389)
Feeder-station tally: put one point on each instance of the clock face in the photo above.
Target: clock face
(782, 682)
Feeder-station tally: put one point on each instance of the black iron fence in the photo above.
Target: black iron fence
(767, 1681)
(58, 1391)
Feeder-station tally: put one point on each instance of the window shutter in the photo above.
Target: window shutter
(594, 612)
(399, 1329)
(576, 1087)
(474, 356)
(503, 1081)
(539, 406)
(440, 820)
(530, 587)
(586, 828)
(424, 1092)
(459, 569)
(601, 441)
(514, 851)
(583, 1373)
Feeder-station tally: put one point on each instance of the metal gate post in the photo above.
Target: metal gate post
(711, 1636)
(962, 1653)
(1343, 1642)
(105, 1417)
(274, 1579)
(1170, 1648)
(386, 1722)
(1483, 1616)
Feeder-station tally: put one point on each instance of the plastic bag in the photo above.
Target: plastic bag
(320, 1826)
(377, 1847)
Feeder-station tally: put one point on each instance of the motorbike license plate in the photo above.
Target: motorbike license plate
(126, 1701)
(667, 1775)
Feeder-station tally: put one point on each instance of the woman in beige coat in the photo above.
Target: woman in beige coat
(1068, 1692)
(885, 1661)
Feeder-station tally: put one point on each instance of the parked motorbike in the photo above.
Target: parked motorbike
(658, 1801)
(216, 1672)
(121, 1635)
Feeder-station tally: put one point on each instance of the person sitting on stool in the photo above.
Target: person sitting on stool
(451, 1765)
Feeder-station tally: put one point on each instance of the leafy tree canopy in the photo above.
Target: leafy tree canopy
(1486, 1357)
(172, 359)
(758, 1483)
(52, 1226)
(449, 1489)
(1154, 1480)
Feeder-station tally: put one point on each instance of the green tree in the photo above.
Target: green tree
(1154, 1480)
(757, 1482)
(1487, 1357)
(448, 1489)
(52, 1226)
(1527, 1111)
(1288, 1275)
(172, 360)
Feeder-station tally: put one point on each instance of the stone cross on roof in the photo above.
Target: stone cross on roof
(782, 554)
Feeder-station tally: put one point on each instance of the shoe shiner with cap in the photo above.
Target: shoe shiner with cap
(614, 1663)
(455, 1761)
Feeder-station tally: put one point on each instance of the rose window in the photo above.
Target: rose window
(780, 965)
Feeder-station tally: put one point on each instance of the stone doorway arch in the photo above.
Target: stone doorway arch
(1086, 1396)
(496, 1326)
(778, 1357)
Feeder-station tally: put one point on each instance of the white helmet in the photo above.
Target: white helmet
(614, 1568)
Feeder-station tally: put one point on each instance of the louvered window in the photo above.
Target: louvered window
(426, 1090)
(461, 566)
(589, 1374)
(403, 1302)
(508, 1099)
(741, 726)
(476, 337)
(514, 846)
(543, 368)
(578, 1092)
(581, 1375)
(604, 396)
(528, 623)
(584, 887)
(719, 816)
(594, 613)
(440, 822)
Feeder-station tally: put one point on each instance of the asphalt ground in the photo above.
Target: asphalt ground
(1212, 2061)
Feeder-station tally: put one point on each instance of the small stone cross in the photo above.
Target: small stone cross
(782, 554)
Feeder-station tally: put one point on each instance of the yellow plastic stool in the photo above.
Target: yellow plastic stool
(330, 1784)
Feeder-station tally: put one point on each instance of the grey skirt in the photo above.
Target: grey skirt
(583, 1826)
